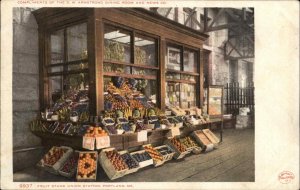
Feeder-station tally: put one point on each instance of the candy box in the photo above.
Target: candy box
(87, 166)
(112, 163)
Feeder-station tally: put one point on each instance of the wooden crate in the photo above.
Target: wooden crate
(211, 136)
(55, 167)
(129, 171)
(178, 154)
(90, 178)
(155, 162)
(144, 163)
(108, 167)
(73, 170)
(166, 157)
(202, 140)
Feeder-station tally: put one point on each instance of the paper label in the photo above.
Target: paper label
(102, 142)
(142, 136)
(88, 143)
(175, 131)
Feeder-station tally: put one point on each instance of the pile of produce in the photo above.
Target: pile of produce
(155, 155)
(131, 163)
(53, 156)
(188, 142)
(95, 132)
(141, 157)
(165, 150)
(87, 165)
(178, 145)
(116, 160)
(114, 50)
(71, 164)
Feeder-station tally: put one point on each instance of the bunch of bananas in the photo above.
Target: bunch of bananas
(64, 114)
(127, 112)
(36, 125)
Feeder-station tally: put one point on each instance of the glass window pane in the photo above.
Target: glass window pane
(115, 68)
(117, 44)
(55, 88)
(55, 69)
(76, 81)
(187, 96)
(80, 66)
(57, 47)
(188, 77)
(173, 93)
(77, 42)
(139, 71)
(190, 61)
(145, 50)
(173, 58)
(173, 76)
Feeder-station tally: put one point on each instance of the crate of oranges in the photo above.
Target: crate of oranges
(179, 148)
(155, 155)
(112, 163)
(87, 166)
(55, 158)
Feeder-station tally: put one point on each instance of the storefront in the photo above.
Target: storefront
(122, 79)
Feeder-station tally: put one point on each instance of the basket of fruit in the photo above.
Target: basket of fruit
(166, 152)
(155, 155)
(178, 147)
(133, 165)
(142, 157)
(112, 163)
(70, 166)
(54, 159)
(87, 166)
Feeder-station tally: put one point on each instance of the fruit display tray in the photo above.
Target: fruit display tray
(96, 162)
(155, 162)
(108, 167)
(73, 169)
(129, 171)
(143, 163)
(58, 164)
(166, 157)
(178, 154)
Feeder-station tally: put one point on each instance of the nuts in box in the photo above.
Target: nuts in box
(116, 160)
(87, 165)
(141, 157)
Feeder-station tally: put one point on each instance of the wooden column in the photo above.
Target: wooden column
(201, 81)
(162, 78)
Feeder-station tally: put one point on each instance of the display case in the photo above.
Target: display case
(84, 48)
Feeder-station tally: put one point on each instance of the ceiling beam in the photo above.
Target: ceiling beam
(191, 13)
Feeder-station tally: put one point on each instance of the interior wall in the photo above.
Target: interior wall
(26, 146)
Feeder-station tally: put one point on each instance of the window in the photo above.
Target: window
(68, 65)
(132, 56)
(181, 76)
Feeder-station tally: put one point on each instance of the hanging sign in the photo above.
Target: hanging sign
(88, 143)
(102, 142)
(142, 136)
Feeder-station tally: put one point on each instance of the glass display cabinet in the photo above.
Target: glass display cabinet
(82, 49)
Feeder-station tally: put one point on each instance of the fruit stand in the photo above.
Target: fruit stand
(121, 87)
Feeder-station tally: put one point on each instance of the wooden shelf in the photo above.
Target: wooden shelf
(131, 64)
(181, 81)
(182, 72)
(68, 63)
(113, 74)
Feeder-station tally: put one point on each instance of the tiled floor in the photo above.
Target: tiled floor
(232, 161)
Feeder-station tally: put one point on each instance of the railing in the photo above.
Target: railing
(236, 97)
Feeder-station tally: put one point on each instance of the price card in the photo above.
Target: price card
(102, 142)
(88, 143)
(142, 136)
(175, 131)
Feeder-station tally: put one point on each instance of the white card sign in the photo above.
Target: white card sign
(88, 143)
(142, 136)
(102, 142)
(174, 131)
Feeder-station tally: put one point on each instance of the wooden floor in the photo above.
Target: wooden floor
(232, 161)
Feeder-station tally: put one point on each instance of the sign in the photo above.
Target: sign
(88, 143)
(102, 142)
(174, 131)
(142, 136)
